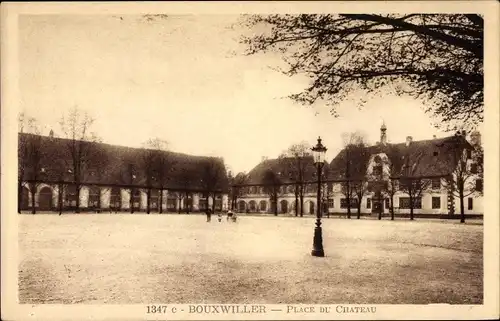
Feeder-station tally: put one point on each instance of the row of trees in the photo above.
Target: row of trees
(359, 173)
(81, 160)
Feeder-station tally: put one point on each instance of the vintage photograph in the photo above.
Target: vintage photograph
(251, 159)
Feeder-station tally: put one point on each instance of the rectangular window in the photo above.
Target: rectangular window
(368, 203)
(436, 183)
(469, 203)
(343, 203)
(331, 203)
(469, 154)
(387, 204)
(473, 168)
(203, 204)
(479, 185)
(436, 202)
(404, 203)
(377, 170)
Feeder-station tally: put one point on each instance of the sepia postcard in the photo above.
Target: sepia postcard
(279, 160)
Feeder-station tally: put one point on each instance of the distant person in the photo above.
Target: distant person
(209, 214)
(219, 217)
(229, 215)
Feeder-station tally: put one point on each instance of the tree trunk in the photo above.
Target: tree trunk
(131, 201)
(301, 194)
(59, 199)
(33, 192)
(392, 207)
(462, 208)
(348, 206)
(160, 210)
(78, 187)
(99, 199)
(296, 203)
(275, 204)
(148, 201)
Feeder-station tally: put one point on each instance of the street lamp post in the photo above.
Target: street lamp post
(319, 152)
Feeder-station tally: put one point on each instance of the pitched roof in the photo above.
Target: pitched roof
(287, 169)
(110, 164)
(433, 157)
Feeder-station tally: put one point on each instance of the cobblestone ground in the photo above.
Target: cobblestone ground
(140, 258)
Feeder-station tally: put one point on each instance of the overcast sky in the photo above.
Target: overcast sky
(179, 79)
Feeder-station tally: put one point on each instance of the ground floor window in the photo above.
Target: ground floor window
(368, 203)
(241, 206)
(252, 206)
(203, 204)
(263, 205)
(172, 203)
(470, 203)
(436, 202)
(404, 203)
(353, 201)
(387, 203)
(331, 203)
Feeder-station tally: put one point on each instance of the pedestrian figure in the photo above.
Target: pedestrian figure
(229, 215)
(209, 214)
(219, 217)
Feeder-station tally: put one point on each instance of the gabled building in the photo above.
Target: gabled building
(411, 176)
(254, 198)
(116, 178)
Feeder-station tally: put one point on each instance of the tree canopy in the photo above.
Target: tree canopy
(434, 57)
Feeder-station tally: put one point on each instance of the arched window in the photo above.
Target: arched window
(71, 196)
(115, 202)
(136, 198)
(94, 197)
(284, 206)
(45, 198)
(242, 206)
(252, 205)
(172, 202)
(25, 198)
(154, 199)
(291, 189)
(263, 206)
(252, 190)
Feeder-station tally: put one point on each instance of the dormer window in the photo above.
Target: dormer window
(377, 170)
(469, 154)
(435, 153)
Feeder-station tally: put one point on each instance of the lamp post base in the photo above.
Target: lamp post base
(318, 243)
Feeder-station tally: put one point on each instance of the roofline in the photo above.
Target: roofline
(343, 180)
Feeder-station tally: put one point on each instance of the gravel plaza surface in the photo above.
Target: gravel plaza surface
(172, 258)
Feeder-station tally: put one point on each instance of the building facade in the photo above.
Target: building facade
(115, 178)
(424, 177)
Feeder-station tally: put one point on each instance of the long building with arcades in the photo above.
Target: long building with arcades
(115, 178)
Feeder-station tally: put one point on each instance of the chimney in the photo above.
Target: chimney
(51, 134)
(408, 140)
(383, 135)
(433, 136)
